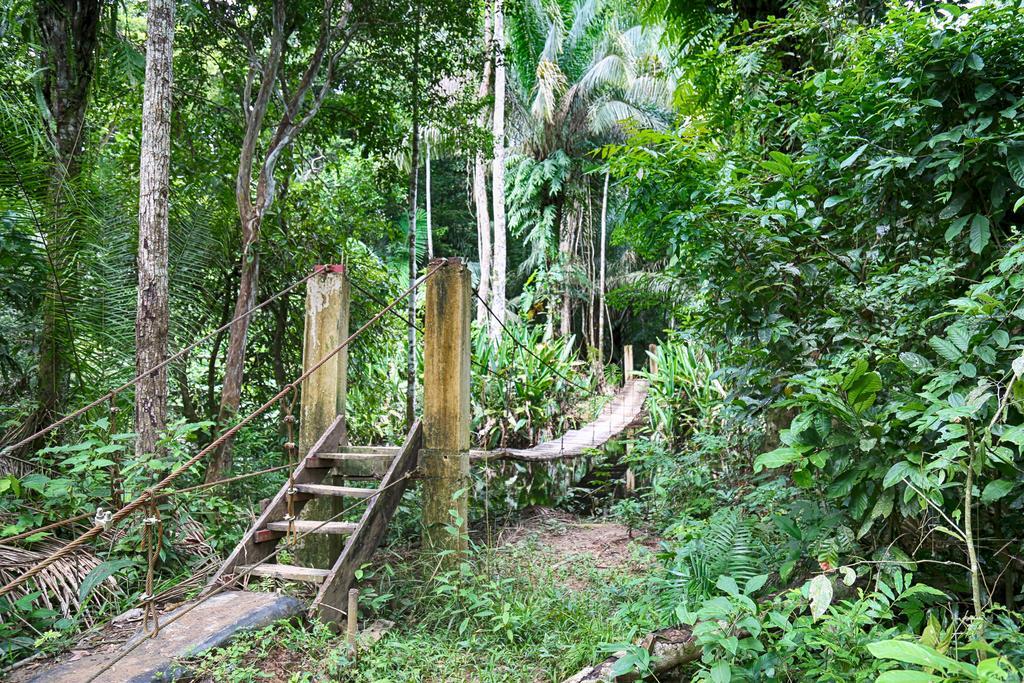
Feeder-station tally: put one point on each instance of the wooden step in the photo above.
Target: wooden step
(287, 572)
(340, 491)
(370, 450)
(309, 525)
(373, 465)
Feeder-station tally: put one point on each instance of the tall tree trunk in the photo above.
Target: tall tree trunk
(602, 262)
(68, 32)
(152, 313)
(483, 218)
(410, 361)
(565, 252)
(499, 266)
(300, 106)
(430, 227)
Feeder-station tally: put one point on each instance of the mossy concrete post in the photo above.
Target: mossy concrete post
(323, 393)
(444, 461)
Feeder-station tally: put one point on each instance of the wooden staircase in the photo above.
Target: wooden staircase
(389, 465)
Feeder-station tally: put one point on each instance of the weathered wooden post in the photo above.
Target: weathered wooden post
(627, 362)
(444, 460)
(653, 359)
(323, 393)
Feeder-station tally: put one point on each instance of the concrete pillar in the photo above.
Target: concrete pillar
(323, 394)
(446, 357)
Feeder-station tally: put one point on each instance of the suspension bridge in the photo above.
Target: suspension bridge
(330, 481)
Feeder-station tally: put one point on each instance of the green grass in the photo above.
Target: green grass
(504, 615)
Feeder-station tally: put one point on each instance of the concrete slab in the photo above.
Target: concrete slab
(212, 624)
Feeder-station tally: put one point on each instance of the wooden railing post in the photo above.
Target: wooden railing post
(653, 359)
(627, 362)
(445, 458)
(323, 393)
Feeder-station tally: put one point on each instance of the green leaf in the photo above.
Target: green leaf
(956, 227)
(1015, 165)
(915, 362)
(820, 593)
(983, 91)
(945, 348)
(906, 676)
(1014, 435)
(721, 672)
(777, 458)
(979, 233)
(995, 490)
(832, 201)
(975, 61)
(852, 159)
(968, 370)
(728, 585)
(913, 653)
(755, 583)
(101, 573)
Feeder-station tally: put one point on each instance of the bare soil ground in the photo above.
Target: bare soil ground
(570, 542)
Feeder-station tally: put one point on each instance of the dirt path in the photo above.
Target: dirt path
(567, 541)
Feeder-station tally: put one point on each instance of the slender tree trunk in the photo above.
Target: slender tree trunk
(68, 33)
(565, 252)
(602, 262)
(480, 199)
(152, 312)
(410, 361)
(498, 268)
(300, 106)
(430, 227)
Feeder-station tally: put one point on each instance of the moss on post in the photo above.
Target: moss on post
(323, 394)
(445, 457)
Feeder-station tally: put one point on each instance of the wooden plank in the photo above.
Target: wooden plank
(251, 551)
(288, 572)
(311, 526)
(353, 464)
(341, 491)
(370, 450)
(625, 409)
(330, 601)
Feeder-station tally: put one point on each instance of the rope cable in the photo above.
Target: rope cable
(131, 507)
(135, 380)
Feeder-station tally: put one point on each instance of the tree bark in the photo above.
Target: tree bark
(483, 218)
(68, 34)
(602, 261)
(430, 226)
(300, 106)
(499, 266)
(152, 312)
(410, 364)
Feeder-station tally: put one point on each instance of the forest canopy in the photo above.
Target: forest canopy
(801, 216)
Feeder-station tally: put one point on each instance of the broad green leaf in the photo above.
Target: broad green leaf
(1015, 165)
(906, 676)
(728, 585)
(995, 490)
(777, 458)
(721, 672)
(945, 348)
(975, 61)
(913, 653)
(820, 593)
(1014, 435)
(852, 159)
(755, 583)
(915, 362)
(956, 227)
(979, 233)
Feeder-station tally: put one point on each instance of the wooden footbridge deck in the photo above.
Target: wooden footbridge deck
(334, 481)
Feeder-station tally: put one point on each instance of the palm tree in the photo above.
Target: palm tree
(579, 78)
